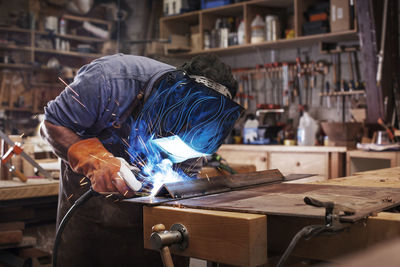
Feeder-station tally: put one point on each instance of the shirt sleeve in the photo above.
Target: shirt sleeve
(81, 104)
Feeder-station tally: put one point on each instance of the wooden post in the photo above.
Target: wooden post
(369, 51)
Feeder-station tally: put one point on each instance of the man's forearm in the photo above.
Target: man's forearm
(59, 137)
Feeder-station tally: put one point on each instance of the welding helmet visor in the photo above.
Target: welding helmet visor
(183, 111)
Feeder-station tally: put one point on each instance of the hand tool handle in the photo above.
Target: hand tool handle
(20, 175)
(7, 156)
(166, 257)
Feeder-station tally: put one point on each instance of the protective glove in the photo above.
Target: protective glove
(132, 177)
(107, 173)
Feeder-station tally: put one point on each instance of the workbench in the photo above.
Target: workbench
(326, 161)
(251, 239)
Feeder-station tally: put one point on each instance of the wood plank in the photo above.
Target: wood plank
(14, 189)
(224, 237)
(10, 237)
(360, 236)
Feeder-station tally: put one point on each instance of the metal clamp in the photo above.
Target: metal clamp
(333, 212)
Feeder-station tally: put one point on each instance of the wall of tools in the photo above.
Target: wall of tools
(325, 77)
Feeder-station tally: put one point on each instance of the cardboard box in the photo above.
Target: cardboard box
(195, 41)
(340, 15)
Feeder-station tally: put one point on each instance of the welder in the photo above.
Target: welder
(92, 126)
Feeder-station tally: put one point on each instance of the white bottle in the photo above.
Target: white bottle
(241, 33)
(257, 30)
(306, 131)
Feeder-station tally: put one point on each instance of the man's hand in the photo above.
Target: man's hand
(106, 172)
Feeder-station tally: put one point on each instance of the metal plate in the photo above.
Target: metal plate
(287, 199)
(212, 185)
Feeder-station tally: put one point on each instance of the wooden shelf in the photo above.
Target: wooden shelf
(279, 44)
(15, 47)
(17, 109)
(15, 66)
(86, 39)
(67, 53)
(14, 29)
(93, 20)
(345, 93)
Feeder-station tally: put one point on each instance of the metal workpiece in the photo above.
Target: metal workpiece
(177, 236)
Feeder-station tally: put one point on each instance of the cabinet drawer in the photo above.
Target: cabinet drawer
(301, 163)
(258, 159)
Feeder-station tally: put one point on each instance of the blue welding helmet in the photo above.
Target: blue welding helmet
(184, 117)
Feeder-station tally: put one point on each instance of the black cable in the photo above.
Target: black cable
(79, 202)
(307, 231)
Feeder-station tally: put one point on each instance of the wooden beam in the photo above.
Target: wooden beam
(369, 52)
(10, 237)
(226, 237)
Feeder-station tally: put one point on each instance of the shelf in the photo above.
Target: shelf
(93, 20)
(280, 44)
(14, 29)
(345, 93)
(15, 66)
(67, 53)
(72, 37)
(17, 109)
(15, 47)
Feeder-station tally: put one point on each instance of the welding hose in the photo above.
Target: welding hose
(307, 232)
(79, 202)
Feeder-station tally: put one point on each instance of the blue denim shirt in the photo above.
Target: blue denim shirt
(102, 91)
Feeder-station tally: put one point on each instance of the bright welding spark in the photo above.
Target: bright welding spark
(208, 178)
(82, 184)
(70, 196)
(109, 195)
(22, 135)
(81, 181)
(78, 101)
(69, 87)
(125, 142)
(116, 102)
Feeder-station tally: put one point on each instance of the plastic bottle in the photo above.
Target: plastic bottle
(257, 30)
(306, 130)
(63, 26)
(241, 34)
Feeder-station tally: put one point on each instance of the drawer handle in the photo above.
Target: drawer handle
(263, 159)
(297, 164)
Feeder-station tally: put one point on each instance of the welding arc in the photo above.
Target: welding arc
(79, 202)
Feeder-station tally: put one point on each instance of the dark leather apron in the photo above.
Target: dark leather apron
(104, 231)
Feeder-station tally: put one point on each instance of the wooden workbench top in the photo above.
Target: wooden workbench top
(15, 189)
(389, 177)
(279, 148)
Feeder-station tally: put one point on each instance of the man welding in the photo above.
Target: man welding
(124, 123)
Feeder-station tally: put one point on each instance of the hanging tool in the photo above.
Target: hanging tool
(17, 150)
(298, 81)
(285, 84)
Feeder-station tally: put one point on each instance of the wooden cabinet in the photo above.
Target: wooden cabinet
(328, 162)
(359, 161)
(206, 19)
